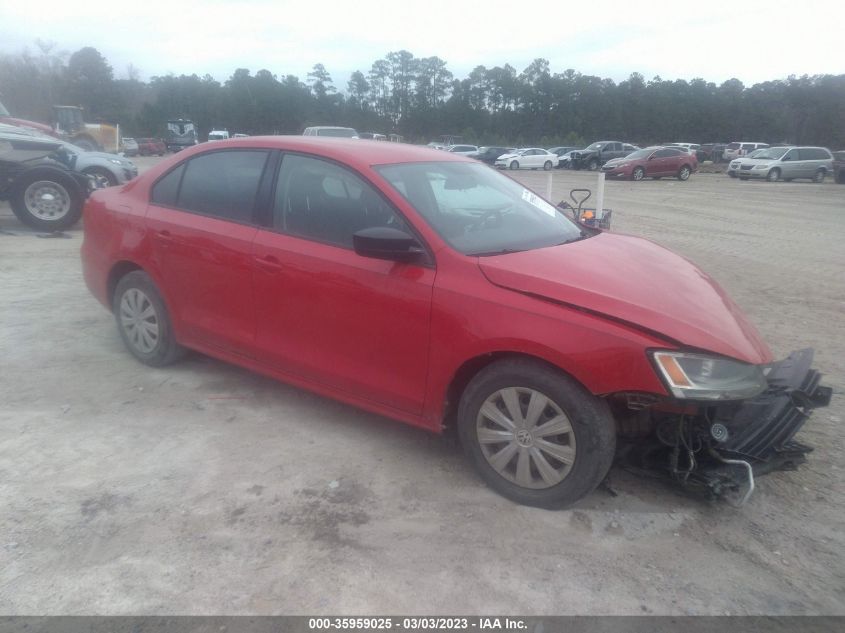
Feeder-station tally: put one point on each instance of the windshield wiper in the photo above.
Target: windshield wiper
(504, 251)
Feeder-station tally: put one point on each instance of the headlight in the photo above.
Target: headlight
(699, 377)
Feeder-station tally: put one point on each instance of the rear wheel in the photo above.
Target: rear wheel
(773, 175)
(47, 201)
(514, 165)
(547, 165)
(638, 173)
(143, 321)
(819, 175)
(684, 172)
(534, 434)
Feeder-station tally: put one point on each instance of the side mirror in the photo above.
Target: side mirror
(385, 242)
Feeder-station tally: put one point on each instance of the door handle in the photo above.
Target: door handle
(269, 263)
(164, 238)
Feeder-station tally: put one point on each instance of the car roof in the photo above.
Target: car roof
(358, 152)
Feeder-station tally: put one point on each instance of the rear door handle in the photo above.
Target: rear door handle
(164, 238)
(269, 263)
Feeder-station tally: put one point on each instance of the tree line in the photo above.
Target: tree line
(420, 98)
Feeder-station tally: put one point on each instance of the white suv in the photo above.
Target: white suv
(736, 149)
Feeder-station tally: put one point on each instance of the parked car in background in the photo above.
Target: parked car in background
(151, 147)
(38, 178)
(711, 151)
(331, 130)
(372, 136)
(128, 146)
(730, 171)
(839, 167)
(218, 135)
(489, 154)
(691, 148)
(597, 154)
(528, 158)
(653, 162)
(426, 287)
(104, 168)
(462, 149)
(787, 163)
(737, 149)
(561, 152)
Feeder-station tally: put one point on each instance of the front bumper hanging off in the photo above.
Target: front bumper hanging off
(720, 450)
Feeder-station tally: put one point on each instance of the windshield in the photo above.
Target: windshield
(593, 147)
(773, 153)
(640, 153)
(478, 210)
(344, 132)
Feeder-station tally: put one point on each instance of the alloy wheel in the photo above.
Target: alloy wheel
(139, 321)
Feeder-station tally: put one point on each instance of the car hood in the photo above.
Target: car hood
(617, 161)
(635, 281)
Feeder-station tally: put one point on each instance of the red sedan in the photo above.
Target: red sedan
(151, 147)
(652, 162)
(429, 288)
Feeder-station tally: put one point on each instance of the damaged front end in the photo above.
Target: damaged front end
(717, 449)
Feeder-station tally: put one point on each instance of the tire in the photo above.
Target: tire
(514, 165)
(684, 173)
(547, 166)
(47, 200)
(638, 173)
(136, 302)
(102, 177)
(773, 175)
(587, 434)
(593, 165)
(819, 175)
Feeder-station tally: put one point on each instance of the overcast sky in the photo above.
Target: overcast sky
(712, 39)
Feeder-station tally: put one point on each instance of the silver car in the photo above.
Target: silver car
(105, 170)
(786, 163)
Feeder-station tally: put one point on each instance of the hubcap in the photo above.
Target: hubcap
(47, 200)
(526, 437)
(139, 320)
(638, 174)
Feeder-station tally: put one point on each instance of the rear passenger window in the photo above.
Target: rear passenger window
(166, 190)
(319, 200)
(813, 153)
(223, 184)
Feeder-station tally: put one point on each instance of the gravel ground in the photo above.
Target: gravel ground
(205, 489)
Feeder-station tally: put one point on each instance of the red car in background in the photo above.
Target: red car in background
(151, 147)
(424, 286)
(652, 162)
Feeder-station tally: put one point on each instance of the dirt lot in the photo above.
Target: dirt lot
(204, 489)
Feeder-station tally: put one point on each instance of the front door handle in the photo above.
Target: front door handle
(269, 263)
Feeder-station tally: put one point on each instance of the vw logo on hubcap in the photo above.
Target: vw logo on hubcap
(524, 438)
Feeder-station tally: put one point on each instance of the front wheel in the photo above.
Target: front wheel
(684, 172)
(593, 165)
(143, 321)
(547, 165)
(819, 176)
(638, 173)
(47, 201)
(102, 177)
(535, 435)
(773, 175)
(514, 165)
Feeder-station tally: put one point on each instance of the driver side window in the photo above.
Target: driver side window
(319, 200)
